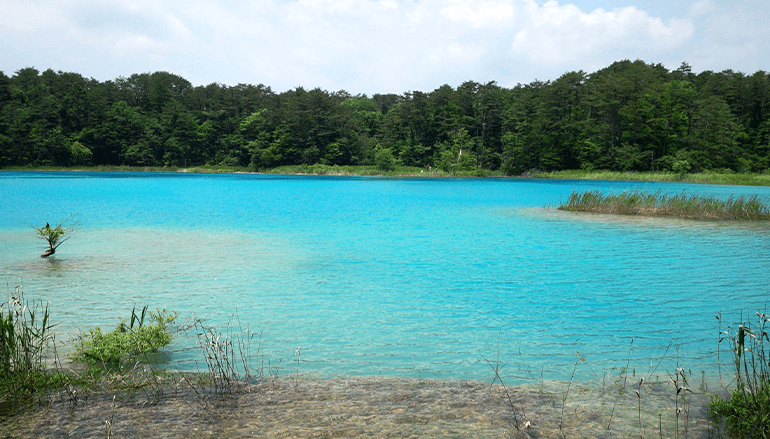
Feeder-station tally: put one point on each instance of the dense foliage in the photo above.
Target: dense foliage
(128, 342)
(746, 414)
(630, 116)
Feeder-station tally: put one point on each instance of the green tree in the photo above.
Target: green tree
(384, 160)
(525, 132)
(457, 155)
(120, 136)
(55, 236)
(81, 155)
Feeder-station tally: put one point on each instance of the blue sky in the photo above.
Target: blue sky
(378, 46)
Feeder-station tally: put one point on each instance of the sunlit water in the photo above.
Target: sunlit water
(405, 277)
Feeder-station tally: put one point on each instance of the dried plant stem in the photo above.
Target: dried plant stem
(496, 369)
(566, 394)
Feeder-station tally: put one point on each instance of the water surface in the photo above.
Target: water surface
(404, 277)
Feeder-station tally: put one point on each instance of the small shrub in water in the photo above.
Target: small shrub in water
(55, 236)
(128, 342)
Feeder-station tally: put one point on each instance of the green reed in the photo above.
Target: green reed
(24, 337)
(658, 204)
(747, 413)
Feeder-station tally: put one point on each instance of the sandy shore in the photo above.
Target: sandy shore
(353, 407)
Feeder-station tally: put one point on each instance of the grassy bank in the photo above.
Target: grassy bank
(679, 206)
(317, 169)
(724, 178)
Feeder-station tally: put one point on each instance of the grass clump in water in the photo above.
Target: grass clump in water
(747, 413)
(128, 342)
(658, 204)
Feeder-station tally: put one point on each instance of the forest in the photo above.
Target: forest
(630, 116)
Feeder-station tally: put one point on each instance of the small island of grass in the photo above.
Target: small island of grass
(679, 206)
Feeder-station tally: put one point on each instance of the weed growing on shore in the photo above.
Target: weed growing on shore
(24, 336)
(223, 361)
(679, 380)
(566, 393)
(108, 423)
(298, 354)
(747, 413)
(496, 370)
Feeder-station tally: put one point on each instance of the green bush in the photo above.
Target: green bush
(134, 341)
(681, 167)
(747, 413)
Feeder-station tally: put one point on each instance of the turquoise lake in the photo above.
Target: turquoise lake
(385, 276)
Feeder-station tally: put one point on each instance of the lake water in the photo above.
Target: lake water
(404, 277)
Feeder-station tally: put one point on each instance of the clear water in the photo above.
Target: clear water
(405, 277)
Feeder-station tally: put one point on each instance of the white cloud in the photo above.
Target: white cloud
(479, 14)
(371, 46)
(565, 35)
(27, 18)
(701, 7)
(732, 35)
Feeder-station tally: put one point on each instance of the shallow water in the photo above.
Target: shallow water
(405, 277)
(366, 407)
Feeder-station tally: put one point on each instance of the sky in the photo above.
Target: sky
(378, 46)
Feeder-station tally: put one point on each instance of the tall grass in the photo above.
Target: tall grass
(24, 336)
(725, 178)
(227, 355)
(659, 204)
(747, 413)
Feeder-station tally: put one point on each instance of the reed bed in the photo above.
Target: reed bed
(679, 206)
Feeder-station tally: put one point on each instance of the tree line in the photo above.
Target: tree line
(630, 116)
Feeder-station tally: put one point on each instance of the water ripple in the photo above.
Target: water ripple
(384, 276)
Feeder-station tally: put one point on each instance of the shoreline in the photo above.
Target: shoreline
(715, 178)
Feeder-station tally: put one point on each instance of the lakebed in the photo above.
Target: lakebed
(373, 407)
